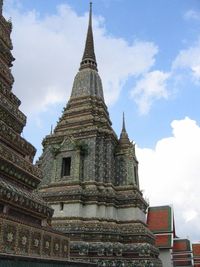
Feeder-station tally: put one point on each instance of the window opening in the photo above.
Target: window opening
(66, 166)
(61, 206)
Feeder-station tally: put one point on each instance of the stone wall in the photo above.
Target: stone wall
(27, 262)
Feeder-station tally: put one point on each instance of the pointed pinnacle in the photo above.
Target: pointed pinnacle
(1, 6)
(90, 15)
(123, 124)
(89, 58)
(124, 139)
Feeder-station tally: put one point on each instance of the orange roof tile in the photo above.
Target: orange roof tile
(164, 241)
(181, 245)
(196, 249)
(183, 263)
(159, 219)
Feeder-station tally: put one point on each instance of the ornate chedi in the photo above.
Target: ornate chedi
(24, 216)
(91, 178)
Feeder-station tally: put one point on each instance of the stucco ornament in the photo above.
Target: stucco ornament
(10, 237)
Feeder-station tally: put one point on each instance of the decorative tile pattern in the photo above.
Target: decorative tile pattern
(23, 240)
(8, 155)
(20, 239)
(36, 240)
(46, 245)
(16, 140)
(9, 238)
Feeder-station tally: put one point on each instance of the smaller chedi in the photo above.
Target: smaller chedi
(91, 178)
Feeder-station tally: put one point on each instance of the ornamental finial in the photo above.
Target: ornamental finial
(124, 139)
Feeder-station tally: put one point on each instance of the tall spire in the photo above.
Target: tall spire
(1, 6)
(89, 58)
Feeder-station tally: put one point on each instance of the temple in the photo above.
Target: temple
(91, 178)
(96, 213)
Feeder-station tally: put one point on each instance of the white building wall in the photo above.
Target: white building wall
(99, 212)
(166, 257)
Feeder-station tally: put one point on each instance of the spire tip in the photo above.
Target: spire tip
(90, 14)
(89, 58)
(123, 123)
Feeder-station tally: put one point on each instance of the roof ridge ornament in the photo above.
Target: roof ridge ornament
(89, 58)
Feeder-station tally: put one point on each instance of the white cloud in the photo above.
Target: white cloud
(196, 71)
(192, 14)
(190, 215)
(123, 61)
(189, 59)
(48, 50)
(170, 174)
(151, 87)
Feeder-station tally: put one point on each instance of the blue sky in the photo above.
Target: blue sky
(148, 55)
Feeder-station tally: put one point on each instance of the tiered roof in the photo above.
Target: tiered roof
(182, 252)
(161, 223)
(86, 110)
(19, 177)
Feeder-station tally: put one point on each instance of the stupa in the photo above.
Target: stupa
(91, 178)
